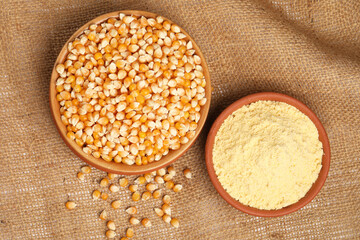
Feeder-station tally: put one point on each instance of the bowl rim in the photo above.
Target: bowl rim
(317, 185)
(120, 168)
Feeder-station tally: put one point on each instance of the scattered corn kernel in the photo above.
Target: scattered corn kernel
(146, 222)
(116, 204)
(104, 196)
(134, 221)
(140, 180)
(124, 238)
(157, 194)
(133, 188)
(166, 218)
(166, 208)
(146, 195)
(166, 199)
(110, 234)
(135, 196)
(111, 225)
(86, 169)
(161, 172)
(104, 182)
(171, 171)
(131, 210)
(70, 205)
(80, 176)
(148, 177)
(113, 188)
(159, 180)
(151, 187)
(169, 184)
(159, 212)
(129, 232)
(174, 222)
(103, 215)
(123, 182)
(96, 194)
(177, 188)
(168, 177)
(187, 173)
(112, 176)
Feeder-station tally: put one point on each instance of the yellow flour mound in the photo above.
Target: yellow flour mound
(267, 155)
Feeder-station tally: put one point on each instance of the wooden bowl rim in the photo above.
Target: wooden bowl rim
(272, 96)
(120, 168)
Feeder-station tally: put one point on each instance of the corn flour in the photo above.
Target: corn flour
(267, 155)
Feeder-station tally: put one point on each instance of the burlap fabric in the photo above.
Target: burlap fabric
(307, 49)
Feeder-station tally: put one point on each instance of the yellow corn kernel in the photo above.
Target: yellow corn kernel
(96, 194)
(157, 194)
(104, 196)
(131, 210)
(133, 188)
(116, 204)
(135, 196)
(103, 215)
(70, 205)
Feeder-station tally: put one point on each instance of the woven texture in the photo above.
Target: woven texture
(307, 49)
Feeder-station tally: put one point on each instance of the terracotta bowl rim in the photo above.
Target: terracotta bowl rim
(120, 168)
(316, 187)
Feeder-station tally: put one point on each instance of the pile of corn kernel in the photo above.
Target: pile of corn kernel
(131, 89)
(155, 183)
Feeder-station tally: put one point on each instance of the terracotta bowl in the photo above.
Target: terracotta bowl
(113, 167)
(322, 137)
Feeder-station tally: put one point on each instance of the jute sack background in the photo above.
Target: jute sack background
(307, 49)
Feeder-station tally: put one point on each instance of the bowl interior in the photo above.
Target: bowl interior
(113, 167)
(322, 137)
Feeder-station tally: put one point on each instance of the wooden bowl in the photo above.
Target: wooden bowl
(322, 137)
(121, 168)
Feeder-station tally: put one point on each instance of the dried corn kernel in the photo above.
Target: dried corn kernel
(104, 182)
(135, 196)
(169, 184)
(177, 188)
(146, 222)
(157, 194)
(110, 234)
(96, 194)
(166, 208)
(86, 169)
(133, 188)
(131, 210)
(129, 232)
(112, 176)
(174, 222)
(113, 188)
(80, 176)
(104, 196)
(140, 180)
(70, 205)
(159, 212)
(168, 177)
(116, 204)
(123, 182)
(171, 171)
(166, 199)
(151, 187)
(111, 225)
(103, 215)
(166, 218)
(146, 195)
(134, 221)
(161, 172)
(187, 173)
